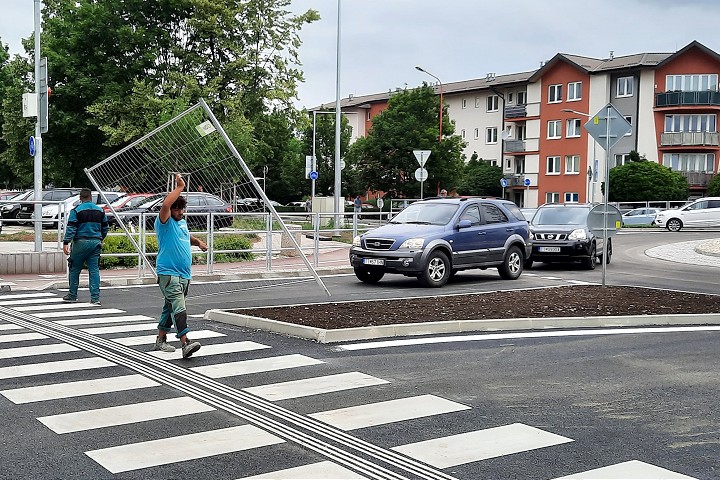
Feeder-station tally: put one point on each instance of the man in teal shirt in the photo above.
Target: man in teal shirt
(173, 268)
(87, 227)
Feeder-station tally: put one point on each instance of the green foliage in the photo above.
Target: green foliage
(229, 242)
(325, 153)
(714, 187)
(644, 181)
(384, 160)
(481, 178)
(16, 165)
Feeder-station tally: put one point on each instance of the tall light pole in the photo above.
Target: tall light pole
(418, 67)
(594, 166)
(338, 182)
(37, 168)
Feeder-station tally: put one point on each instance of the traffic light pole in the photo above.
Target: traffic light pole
(37, 175)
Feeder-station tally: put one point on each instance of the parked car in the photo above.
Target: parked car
(197, 202)
(10, 209)
(640, 216)
(51, 212)
(434, 239)
(128, 201)
(131, 214)
(560, 233)
(528, 213)
(704, 212)
(55, 195)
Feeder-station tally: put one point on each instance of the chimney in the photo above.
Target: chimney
(612, 54)
(490, 77)
(350, 96)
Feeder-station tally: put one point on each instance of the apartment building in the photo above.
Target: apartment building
(531, 123)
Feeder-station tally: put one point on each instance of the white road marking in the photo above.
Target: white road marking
(257, 365)
(380, 413)
(21, 337)
(94, 321)
(29, 301)
(632, 470)
(123, 414)
(516, 335)
(134, 456)
(10, 326)
(78, 313)
(315, 471)
(54, 306)
(54, 367)
(149, 339)
(54, 391)
(18, 352)
(469, 447)
(135, 327)
(314, 386)
(217, 349)
(26, 295)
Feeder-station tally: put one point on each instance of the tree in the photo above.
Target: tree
(644, 181)
(385, 161)
(481, 178)
(325, 151)
(714, 187)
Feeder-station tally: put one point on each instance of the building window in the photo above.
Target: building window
(574, 91)
(520, 132)
(573, 128)
(572, 164)
(491, 135)
(553, 166)
(368, 118)
(690, 123)
(462, 133)
(464, 103)
(554, 127)
(508, 164)
(476, 135)
(510, 97)
(690, 162)
(629, 120)
(625, 86)
(493, 162)
(552, 197)
(555, 94)
(621, 159)
(522, 98)
(572, 197)
(477, 102)
(691, 83)
(492, 103)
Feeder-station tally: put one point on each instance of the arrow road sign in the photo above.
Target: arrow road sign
(313, 175)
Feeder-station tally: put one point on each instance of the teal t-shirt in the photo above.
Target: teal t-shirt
(174, 257)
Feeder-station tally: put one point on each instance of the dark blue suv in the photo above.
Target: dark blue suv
(434, 239)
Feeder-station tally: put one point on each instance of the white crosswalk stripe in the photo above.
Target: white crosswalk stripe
(6, 327)
(315, 386)
(632, 470)
(150, 339)
(53, 367)
(13, 296)
(216, 349)
(77, 313)
(123, 414)
(75, 322)
(29, 301)
(54, 306)
(18, 352)
(21, 337)
(134, 327)
(257, 365)
(315, 471)
(134, 456)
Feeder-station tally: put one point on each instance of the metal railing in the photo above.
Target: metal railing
(688, 138)
(668, 99)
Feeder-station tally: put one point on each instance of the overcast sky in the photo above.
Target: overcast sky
(383, 40)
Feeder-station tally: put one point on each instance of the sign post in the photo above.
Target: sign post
(607, 127)
(421, 174)
(503, 184)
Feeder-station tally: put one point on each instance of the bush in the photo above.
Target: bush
(228, 242)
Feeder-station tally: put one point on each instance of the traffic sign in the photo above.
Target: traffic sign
(313, 175)
(527, 182)
(31, 144)
(597, 126)
(422, 156)
(596, 219)
(380, 202)
(421, 174)
(503, 182)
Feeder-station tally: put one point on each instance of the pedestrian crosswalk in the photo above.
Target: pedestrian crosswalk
(260, 424)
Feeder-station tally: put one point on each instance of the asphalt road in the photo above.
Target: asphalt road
(467, 407)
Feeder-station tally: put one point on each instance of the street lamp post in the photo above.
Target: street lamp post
(338, 182)
(418, 67)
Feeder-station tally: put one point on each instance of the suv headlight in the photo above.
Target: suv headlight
(413, 243)
(356, 241)
(578, 234)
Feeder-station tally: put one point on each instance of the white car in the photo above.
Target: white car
(704, 212)
(51, 212)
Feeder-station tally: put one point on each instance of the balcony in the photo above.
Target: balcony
(672, 99)
(515, 146)
(698, 179)
(515, 111)
(678, 139)
(515, 179)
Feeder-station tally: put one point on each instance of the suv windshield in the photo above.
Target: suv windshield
(426, 213)
(561, 216)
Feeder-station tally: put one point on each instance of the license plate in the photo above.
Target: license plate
(373, 261)
(549, 249)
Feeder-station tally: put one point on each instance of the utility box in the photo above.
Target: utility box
(29, 104)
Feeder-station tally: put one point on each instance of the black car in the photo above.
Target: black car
(197, 203)
(560, 233)
(54, 195)
(434, 239)
(9, 208)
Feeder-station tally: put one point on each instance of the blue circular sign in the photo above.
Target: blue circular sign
(31, 144)
(503, 182)
(527, 182)
(313, 175)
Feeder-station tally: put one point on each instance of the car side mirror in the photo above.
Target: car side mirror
(464, 224)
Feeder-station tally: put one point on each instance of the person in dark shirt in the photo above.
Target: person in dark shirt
(86, 229)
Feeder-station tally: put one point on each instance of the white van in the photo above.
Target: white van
(704, 212)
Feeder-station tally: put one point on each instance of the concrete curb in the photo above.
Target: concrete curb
(461, 326)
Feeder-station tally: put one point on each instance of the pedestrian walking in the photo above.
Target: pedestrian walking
(443, 193)
(357, 203)
(87, 227)
(173, 267)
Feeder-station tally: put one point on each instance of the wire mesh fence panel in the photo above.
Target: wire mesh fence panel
(220, 190)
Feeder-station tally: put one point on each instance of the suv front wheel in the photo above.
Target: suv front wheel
(589, 262)
(367, 275)
(512, 266)
(437, 270)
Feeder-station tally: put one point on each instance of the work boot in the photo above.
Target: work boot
(161, 345)
(96, 302)
(189, 348)
(69, 298)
